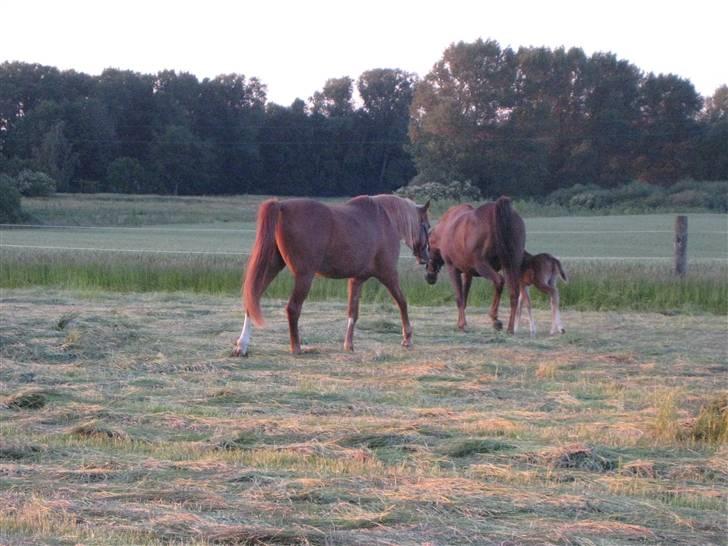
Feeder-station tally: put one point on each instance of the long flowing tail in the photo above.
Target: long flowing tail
(262, 254)
(506, 246)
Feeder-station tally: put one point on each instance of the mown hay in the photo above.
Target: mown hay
(477, 445)
(577, 456)
(92, 429)
(26, 400)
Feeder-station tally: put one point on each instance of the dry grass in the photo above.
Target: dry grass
(123, 421)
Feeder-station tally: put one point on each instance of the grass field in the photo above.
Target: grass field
(124, 421)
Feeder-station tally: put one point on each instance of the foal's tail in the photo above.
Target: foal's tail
(506, 243)
(261, 255)
(562, 273)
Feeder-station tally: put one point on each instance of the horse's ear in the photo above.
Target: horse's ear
(426, 206)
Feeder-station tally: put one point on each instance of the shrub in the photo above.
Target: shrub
(35, 184)
(10, 211)
(437, 191)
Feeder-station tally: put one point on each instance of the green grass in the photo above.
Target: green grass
(596, 285)
(201, 244)
(151, 434)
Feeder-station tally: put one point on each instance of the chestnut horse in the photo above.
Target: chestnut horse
(477, 242)
(356, 240)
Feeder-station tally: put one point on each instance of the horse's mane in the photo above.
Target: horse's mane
(403, 214)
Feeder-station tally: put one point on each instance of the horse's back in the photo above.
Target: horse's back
(332, 240)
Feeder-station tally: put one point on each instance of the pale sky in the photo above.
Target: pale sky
(295, 46)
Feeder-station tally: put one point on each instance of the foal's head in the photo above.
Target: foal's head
(421, 241)
(434, 264)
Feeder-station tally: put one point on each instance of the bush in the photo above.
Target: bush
(453, 191)
(35, 184)
(10, 211)
(643, 197)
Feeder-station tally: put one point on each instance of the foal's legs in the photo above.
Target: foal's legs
(556, 326)
(526, 296)
(355, 285)
(302, 285)
(392, 284)
(552, 290)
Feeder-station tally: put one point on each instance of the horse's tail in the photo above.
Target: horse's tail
(261, 255)
(505, 240)
(562, 273)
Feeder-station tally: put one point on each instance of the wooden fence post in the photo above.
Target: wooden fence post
(680, 246)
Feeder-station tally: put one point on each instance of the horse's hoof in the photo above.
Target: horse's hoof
(237, 352)
(407, 344)
(498, 325)
(349, 348)
(563, 331)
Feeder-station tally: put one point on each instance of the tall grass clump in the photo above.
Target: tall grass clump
(595, 285)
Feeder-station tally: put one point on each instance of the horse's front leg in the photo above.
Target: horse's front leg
(457, 284)
(355, 286)
(392, 284)
(302, 285)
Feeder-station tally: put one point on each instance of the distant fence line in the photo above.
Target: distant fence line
(244, 253)
(249, 230)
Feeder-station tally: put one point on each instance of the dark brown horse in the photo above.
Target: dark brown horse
(356, 240)
(477, 242)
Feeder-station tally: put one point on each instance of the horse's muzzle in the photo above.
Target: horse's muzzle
(431, 278)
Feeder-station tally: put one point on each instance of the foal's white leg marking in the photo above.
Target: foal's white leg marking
(244, 339)
(519, 306)
(556, 327)
(531, 322)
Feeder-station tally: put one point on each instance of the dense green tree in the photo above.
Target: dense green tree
(127, 175)
(182, 162)
(387, 96)
(55, 156)
(669, 108)
(335, 99)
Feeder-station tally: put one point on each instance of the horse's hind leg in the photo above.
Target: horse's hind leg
(392, 284)
(355, 286)
(241, 345)
(487, 272)
(467, 279)
(302, 284)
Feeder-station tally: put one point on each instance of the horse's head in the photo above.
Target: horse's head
(421, 244)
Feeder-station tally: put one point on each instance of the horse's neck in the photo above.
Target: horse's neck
(402, 214)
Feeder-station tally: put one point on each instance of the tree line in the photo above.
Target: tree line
(523, 122)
